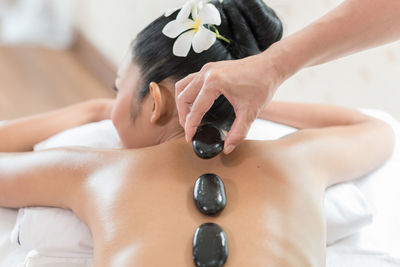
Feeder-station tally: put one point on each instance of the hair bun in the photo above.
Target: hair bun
(251, 26)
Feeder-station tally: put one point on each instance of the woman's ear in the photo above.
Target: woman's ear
(159, 105)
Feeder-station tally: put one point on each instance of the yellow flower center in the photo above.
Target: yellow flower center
(197, 24)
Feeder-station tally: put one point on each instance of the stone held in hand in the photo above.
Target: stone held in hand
(209, 194)
(210, 246)
(208, 141)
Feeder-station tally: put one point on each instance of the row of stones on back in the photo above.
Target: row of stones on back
(210, 247)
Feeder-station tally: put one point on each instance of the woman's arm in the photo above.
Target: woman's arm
(54, 177)
(338, 144)
(303, 115)
(45, 178)
(22, 134)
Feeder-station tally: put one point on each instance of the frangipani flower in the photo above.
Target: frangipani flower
(190, 7)
(192, 32)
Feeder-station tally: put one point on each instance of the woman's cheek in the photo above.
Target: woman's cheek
(117, 113)
(113, 113)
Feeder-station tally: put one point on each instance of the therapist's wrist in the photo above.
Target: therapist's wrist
(284, 59)
(291, 54)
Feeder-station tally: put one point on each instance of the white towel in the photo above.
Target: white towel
(35, 259)
(52, 230)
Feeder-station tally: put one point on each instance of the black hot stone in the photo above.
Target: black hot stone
(208, 141)
(210, 246)
(209, 194)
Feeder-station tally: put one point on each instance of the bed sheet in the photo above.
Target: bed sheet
(10, 254)
(377, 245)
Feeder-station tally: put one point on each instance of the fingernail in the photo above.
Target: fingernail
(229, 149)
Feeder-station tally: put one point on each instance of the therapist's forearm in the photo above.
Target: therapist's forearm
(353, 26)
(21, 135)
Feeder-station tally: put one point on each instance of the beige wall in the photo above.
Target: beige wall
(369, 79)
(112, 24)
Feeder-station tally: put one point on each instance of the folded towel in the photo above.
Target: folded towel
(346, 211)
(97, 135)
(35, 259)
(51, 231)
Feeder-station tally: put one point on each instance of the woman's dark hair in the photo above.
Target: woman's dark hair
(250, 25)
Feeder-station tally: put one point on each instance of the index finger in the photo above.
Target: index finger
(181, 84)
(238, 132)
(182, 101)
(204, 101)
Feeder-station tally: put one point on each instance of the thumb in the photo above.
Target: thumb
(237, 133)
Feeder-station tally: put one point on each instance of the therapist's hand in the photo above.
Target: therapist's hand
(248, 84)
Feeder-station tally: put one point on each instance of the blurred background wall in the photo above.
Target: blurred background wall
(111, 25)
(369, 79)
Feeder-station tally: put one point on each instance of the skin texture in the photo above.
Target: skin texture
(138, 202)
(353, 26)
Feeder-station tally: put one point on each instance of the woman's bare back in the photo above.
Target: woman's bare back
(140, 208)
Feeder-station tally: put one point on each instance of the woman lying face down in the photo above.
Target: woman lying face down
(146, 83)
(138, 202)
(149, 121)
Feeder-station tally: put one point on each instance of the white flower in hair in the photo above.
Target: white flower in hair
(192, 32)
(190, 7)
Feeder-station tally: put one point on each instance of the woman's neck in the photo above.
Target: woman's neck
(175, 132)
